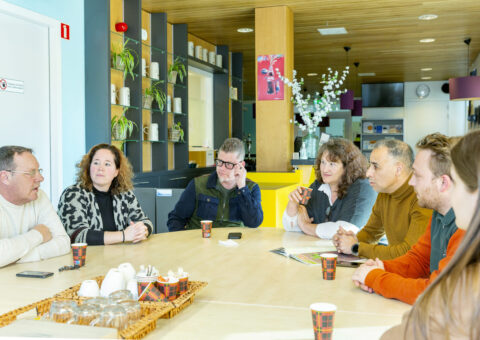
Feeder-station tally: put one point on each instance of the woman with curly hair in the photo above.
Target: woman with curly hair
(101, 207)
(341, 195)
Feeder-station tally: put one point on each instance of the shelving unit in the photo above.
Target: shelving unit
(380, 129)
(165, 43)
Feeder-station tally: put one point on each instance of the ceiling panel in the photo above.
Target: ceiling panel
(383, 35)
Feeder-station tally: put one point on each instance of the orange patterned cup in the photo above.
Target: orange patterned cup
(206, 228)
(306, 194)
(322, 317)
(79, 251)
(169, 289)
(329, 266)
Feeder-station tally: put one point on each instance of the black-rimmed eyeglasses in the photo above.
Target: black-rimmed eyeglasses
(227, 165)
(31, 173)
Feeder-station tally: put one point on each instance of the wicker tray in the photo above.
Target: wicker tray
(171, 308)
(151, 311)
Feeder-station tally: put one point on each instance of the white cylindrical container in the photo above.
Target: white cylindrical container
(198, 52)
(169, 104)
(125, 96)
(191, 48)
(113, 94)
(154, 70)
(177, 105)
(153, 132)
(205, 55)
(144, 67)
(211, 57)
(219, 60)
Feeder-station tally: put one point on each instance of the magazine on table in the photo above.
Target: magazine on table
(312, 255)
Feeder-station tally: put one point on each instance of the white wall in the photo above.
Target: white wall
(436, 113)
(73, 78)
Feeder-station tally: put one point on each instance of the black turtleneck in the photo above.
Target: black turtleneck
(105, 204)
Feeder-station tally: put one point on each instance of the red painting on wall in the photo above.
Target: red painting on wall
(269, 84)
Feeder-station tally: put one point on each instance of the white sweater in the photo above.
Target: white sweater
(19, 242)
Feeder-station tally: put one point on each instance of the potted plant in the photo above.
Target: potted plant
(175, 133)
(154, 92)
(123, 58)
(122, 127)
(176, 68)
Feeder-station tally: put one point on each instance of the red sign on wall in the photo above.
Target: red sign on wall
(65, 31)
(269, 84)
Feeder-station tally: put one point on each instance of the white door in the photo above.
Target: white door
(30, 89)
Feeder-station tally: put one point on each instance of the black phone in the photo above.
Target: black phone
(234, 236)
(31, 273)
(348, 264)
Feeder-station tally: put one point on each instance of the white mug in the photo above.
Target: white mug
(205, 55)
(89, 288)
(191, 48)
(169, 104)
(113, 281)
(219, 60)
(113, 94)
(127, 270)
(152, 132)
(154, 70)
(125, 96)
(211, 57)
(198, 52)
(177, 105)
(144, 67)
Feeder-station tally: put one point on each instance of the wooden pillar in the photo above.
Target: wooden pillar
(274, 35)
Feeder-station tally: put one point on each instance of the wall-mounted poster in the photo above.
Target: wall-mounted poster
(270, 86)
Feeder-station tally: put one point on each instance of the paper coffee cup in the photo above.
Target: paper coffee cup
(322, 317)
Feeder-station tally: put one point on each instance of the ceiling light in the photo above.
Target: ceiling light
(426, 69)
(332, 31)
(427, 40)
(312, 74)
(428, 17)
(426, 78)
(368, 74)
(245, 30)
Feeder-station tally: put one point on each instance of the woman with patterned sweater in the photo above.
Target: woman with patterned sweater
(101, 207)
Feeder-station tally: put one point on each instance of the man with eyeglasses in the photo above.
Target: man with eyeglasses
(225, 197)
(407, 276)
(30, 229)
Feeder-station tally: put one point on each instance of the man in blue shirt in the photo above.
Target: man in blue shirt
(225, 197)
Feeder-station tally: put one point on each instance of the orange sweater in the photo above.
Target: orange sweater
(407, 276)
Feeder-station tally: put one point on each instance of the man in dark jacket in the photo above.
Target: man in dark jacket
(225, 197)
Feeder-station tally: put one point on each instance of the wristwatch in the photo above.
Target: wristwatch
(355, 249)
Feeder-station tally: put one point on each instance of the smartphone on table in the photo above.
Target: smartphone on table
(234, 236)
(35, 274)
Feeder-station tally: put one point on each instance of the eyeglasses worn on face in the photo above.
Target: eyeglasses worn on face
(31, 173)
(228, 165)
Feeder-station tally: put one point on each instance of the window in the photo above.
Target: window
(200, 108)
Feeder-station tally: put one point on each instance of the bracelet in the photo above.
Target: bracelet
(123, 234)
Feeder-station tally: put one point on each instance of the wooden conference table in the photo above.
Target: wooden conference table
(251, 293)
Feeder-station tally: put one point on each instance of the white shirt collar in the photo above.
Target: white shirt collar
(325, 188)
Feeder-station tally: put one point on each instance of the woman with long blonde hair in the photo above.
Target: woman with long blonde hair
(450, 307)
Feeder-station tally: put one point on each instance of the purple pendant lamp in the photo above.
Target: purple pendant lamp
(346, 99)
(357, 103)
(465, 88)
